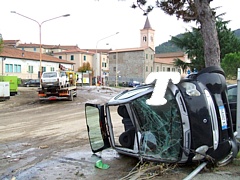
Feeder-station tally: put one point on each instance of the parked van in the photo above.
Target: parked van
(54, 79)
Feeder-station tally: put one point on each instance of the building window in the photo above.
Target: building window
(104, 64)
(168, 69)
(30, 69)
(15, 68)
(114, 69)
(23, 49)
(43, 69)
(60, 57)
(151, 57)
(34, 49)
(52, 69)
(173, 69)
(146, 56)
(146, 68)
(84, 58)
(163, 69)
(151, 69)
(157, 68)
(8, 68)
(114, 56)
(72, 57)
(144, 39)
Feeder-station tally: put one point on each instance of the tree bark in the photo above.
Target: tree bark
(209, 33)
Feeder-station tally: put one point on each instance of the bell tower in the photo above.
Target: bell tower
(147, 35)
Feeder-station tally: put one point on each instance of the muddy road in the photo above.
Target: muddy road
(48, 140)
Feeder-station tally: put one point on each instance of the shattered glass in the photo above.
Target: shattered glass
(160, 126)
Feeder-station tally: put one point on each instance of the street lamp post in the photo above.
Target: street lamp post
(100, 72)
(3, 59)
(40, 36)
(116, 80)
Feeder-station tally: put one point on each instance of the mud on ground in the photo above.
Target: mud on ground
(48, 140)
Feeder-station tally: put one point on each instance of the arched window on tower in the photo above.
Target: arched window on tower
(144, 38)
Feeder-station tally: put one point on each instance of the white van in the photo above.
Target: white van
(54, 79)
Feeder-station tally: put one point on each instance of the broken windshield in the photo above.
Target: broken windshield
(160, 126)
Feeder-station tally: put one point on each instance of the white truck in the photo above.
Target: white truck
(58, 85)
(56, 79)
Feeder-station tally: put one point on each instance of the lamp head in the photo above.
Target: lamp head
(66, 15)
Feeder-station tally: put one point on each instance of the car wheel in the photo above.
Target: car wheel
(226, 160)
(212, 69)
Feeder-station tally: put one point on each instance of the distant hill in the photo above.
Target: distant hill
(170, 47)
(237, 33)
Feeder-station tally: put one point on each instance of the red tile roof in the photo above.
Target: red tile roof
(164, 61)
(168, 58)
(64, 47)
(129, 49)
(21, 54)
(71, 51)
(10, 41)
(172, 55)
(99, 50)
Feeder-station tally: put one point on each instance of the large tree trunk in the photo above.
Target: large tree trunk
(209, 33)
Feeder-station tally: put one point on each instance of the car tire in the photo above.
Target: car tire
(225, 161)
(212, 69)
(125, 140)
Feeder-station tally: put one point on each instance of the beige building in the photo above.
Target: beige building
(76, 56)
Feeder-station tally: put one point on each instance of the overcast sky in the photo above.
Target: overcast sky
(92, 20)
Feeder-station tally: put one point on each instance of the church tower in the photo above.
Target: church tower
(147, 35)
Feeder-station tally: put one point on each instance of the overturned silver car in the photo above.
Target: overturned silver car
(194, 124)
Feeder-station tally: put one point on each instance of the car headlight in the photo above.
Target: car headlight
(191, 89)
(200, 152)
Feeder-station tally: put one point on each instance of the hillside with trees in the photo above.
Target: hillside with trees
(169, 46)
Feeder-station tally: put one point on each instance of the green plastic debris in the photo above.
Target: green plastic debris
(99, 164)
